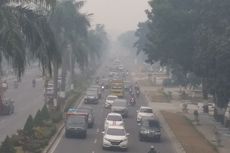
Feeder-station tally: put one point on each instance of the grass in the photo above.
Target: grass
(190, 122)
(191, 140)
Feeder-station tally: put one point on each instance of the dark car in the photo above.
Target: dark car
(89, 111)
(76, 126)
(150, 129)
(120, 106)
(91, 97)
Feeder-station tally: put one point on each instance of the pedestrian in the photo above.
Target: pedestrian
(196, 116)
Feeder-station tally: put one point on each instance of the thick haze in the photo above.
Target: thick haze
(117, 15)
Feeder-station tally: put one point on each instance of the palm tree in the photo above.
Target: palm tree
(70, 27)
(24, 32)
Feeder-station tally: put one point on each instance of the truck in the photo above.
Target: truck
(6, 106)
(117, 88)
(76, 123)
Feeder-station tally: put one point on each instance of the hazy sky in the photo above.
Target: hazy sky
(117, 15)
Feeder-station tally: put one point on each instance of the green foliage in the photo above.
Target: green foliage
(128, 39)
(38, 119)
(7, 146)
(28, 127)
(193, 35)
(56, 117)
(45, 113)
(25, 33)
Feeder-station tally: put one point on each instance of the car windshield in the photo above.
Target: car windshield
(146, 110)
(114, 118)
(116, 132)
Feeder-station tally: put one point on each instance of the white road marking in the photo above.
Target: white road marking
(93, 151)
(53, 148)
(57, 142)
(95, 141)
(98, 130)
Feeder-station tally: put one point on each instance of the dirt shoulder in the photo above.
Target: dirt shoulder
(191, 140)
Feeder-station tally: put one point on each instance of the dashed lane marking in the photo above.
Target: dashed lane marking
(95, 141)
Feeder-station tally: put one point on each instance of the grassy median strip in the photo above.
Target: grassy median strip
(191, 140)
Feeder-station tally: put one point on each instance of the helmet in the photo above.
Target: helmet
(152, 147)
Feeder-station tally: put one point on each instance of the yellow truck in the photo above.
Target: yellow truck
(117, 88)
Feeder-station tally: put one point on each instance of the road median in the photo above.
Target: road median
(191, 140)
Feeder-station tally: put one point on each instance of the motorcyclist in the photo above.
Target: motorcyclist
(152, 150)
(33, 82)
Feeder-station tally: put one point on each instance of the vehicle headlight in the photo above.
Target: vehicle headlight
(125, 139)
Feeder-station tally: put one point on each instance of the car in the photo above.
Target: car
(89, 111)
(127, 85)
(150, 129)
(96, 88)
(120, 106)
(76, 126)
(91, 97)
(115, 137)
(113, 119)
(109, 100)
(144, 111)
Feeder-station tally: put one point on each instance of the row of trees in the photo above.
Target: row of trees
(55, 32)
(192, 36)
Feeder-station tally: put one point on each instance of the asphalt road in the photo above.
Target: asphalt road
(27, 101)
(93, 142)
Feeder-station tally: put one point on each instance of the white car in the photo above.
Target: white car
(113, 119)
(115, 136)
(144, 112)
(109, 100)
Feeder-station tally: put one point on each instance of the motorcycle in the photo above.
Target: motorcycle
(34, 83)
(132, 101)
(137, 92)
(15, 84)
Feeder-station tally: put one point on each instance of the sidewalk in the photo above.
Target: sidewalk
(190, 138)
(207, 129)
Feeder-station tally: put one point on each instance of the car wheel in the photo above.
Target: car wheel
(140, 138)
(84, 135)
(125, 149)
(66, 135)
(158, 139)
(104, 148)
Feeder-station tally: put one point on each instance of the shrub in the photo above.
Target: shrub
(28, 127)
(56, 116)
(7, 146)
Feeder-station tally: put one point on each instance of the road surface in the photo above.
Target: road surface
(93, 142)
(27, 101)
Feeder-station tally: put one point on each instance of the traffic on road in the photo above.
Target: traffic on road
(118, 124)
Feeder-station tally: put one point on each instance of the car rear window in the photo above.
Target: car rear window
(151, 123)
(120, 103)
(146, 110)
(75, 120)
(114, 118)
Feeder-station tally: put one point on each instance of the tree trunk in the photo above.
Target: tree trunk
(205, 88)
(55, 78)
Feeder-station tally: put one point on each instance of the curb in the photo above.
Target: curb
(61, 128)
(175, 143)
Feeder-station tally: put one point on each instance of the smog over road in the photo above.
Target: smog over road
(102, 76)
(118, 16)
